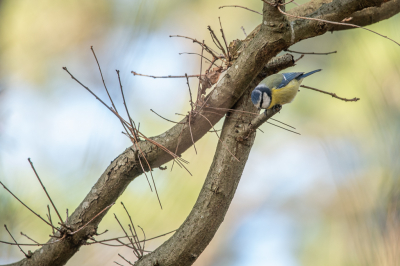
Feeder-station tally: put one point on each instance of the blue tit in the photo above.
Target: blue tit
(278, 89)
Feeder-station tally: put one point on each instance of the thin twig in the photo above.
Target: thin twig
(284, 128)
(49, 243)
(166, 118)
(208, 49)
(47, 194)
(223, 144)
(130, 239)
(241, 7)
(334, 23)
(28, 207)
(26, 255)
(101, 74)
(295, 52)
(116, 238)
(135, 237)
(355, 99)
(163, 77)
(190, 93)
(211, 62)
(245, 34)
(191, 135)
(49, 217)
(217, 42)
(201, 68)
(102, 233)
(177, 145)
(118, 263)
(190, 114)
(286, 3)
(30, 238)
(66, 220)
(126, 108)
(301, 56)
(125, 259)
(223, 37)
(144, 235)
(240, 111)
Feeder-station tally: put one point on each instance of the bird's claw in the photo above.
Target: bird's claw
(277, 107)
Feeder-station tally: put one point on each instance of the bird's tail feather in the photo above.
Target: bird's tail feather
(308, 74)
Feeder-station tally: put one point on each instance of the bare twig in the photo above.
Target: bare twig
(190, 113)
(284, 128)
(129, 238)
(208, 49)
(26, 255)
(177, 145)
(245, 34)
(217, 42)
(190, 92)
(30, 238)
(144, 235)
(295, 52)
(223, 144)
(250, 113)
(201, 68)
(332, 22)
(211, 62)
(118, 263)
(39, 244)
(28, 207)
(134, 235)
(223, 37)
(163, 77)
(116, 238)
(191, 135)
(166, 118)
(355, 99)
(241, 7)
(130, 263)
(49, 217)
(101, 74)
(301, 56)
(47, 194)
(133, 126)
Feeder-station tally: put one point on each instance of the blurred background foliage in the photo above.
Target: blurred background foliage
(327, 197)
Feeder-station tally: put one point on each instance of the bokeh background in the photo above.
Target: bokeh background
(327, 197)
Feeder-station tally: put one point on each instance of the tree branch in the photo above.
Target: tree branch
(185, 246)
(371, 15)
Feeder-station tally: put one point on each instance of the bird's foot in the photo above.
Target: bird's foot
(277, 107)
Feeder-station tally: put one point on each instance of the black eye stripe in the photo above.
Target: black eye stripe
(262, 99)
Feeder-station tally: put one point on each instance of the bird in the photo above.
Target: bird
(278, 89)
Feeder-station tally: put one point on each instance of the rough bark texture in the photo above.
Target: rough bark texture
(185, 246)
(276, 33)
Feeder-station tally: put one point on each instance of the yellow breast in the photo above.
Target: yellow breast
(284, 95)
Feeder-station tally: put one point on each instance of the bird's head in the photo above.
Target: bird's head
(256, 97)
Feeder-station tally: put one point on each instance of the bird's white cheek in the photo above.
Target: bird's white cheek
(266, 101)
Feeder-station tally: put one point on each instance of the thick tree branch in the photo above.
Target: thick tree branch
(265, 42)
(371, 15)
(189, 241)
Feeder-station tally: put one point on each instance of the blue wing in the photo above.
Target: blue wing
(288, 77)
